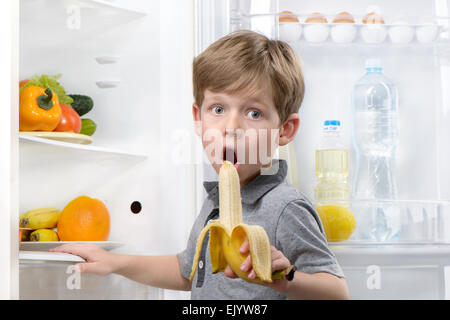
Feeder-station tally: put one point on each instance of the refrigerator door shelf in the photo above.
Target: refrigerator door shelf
(415, 271)
(47, 245)
(417, 222)
(344, 34)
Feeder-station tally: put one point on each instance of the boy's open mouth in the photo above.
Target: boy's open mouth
(230, 155)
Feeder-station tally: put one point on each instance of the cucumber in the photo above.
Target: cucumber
(88, 127)
(81, 103)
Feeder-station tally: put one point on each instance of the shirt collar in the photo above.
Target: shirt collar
(260, 185)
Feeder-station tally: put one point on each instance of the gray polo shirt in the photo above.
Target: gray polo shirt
(290, 221)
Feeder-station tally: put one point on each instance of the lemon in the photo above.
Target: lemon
(338, 221)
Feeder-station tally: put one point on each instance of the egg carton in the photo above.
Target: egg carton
(398, 31)
(347, 33)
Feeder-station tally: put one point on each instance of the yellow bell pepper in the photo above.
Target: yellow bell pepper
(39, 109)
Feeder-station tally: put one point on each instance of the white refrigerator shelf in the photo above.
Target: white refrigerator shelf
(42, 142)
(44, 256)
(47, 245)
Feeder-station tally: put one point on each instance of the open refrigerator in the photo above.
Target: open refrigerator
(134, 59)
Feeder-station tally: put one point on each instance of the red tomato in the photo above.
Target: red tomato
(70, 120)
(21, 83)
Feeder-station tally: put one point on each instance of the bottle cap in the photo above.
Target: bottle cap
(373, 63)
(331, 125)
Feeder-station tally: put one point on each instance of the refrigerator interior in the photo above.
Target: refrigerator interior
(134, 59)
(421, 73)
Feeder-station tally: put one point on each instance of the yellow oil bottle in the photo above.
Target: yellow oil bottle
(332, 191)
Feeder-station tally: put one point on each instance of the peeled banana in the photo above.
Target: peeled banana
(44, 235)
(40, 218)
(229, 232)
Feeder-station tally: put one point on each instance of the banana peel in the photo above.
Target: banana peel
(229, 232)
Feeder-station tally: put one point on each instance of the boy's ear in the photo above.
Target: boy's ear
(289, 129)
(197, 120)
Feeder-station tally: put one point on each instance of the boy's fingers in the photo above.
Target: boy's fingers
(280, 264)
(72, 249)
(276, 254)
(85, 251)
(61, 248)
(92, 267)
(252, 274)
(245, 247)
(230, 273)
(81, 267)
(246, 264)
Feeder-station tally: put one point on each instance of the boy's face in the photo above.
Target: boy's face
(242, 129)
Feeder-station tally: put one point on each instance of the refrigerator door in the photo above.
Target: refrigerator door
(9, 229)
(133, 58)
(413, 43)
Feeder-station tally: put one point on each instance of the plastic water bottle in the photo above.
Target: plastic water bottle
(375, 137)
(332, 191)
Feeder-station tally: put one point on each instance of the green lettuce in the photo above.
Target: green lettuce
(51, 82)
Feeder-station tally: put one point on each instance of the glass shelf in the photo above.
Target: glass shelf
(421, 223)
(44, 257)
(108, 5)
(44, 246)
(91, 11)
(30, 142)
(37, 252)
(71, 21)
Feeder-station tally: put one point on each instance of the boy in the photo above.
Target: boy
(244, 83)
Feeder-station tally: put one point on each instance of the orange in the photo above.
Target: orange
(84, 219)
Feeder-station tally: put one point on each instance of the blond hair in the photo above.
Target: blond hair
(246, 60)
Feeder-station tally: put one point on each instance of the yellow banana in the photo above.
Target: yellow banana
(21, 216)
(44, 235)
(229, 232)
(25, 235)
(40, 218)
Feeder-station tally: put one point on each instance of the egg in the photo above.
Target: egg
(374, 30)
(401, 31)
(290, 29)
(344, 29)
(287, 16)
(372, 18)
(316, 28)
(427, 31)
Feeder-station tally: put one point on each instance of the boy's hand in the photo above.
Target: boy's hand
(98, 260)
(279, 262)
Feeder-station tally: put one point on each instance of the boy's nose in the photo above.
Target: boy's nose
(233, 124)
(233, 133)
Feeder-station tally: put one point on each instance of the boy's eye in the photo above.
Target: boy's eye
(218, 110)
(254, 114)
